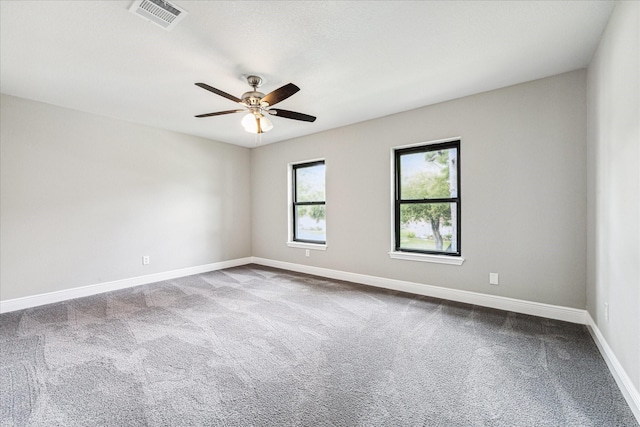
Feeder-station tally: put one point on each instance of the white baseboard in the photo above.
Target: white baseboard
(510, 304)
(83, 291)
(549, 311)
(625, 384)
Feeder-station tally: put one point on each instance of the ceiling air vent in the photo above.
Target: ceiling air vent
(160, 12)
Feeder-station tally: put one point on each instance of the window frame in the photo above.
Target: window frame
(418, 254)
(293, 212)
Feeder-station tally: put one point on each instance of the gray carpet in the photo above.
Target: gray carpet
(255, 346)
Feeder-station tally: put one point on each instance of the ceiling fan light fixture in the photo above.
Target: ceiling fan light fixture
(257, 105)
(250, 123)
(265, 124)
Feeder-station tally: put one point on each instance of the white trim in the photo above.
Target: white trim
(625, 384)
(303, 245)
(438, 259)
(83, 291)
(549, 311)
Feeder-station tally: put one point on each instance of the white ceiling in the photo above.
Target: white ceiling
(353, 60)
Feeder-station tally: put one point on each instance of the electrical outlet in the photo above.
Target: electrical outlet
(306, 252)
(146, 260)
(606, 311)
(493, 279)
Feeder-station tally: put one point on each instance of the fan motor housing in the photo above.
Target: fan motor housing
(252, 97)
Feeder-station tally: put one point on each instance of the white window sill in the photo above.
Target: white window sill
(438, 259)
(303, 245)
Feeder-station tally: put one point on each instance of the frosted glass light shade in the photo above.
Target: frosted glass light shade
(250, 124)
(265, 124)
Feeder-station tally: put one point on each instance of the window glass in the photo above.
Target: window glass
(310, 183)
(427, 200)
(428, 227)
(310, 223)
(309, 212)
(427, 175)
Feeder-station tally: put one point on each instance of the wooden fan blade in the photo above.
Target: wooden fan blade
(218, 92)
(219, 113)
(281, 94)
(293, 115)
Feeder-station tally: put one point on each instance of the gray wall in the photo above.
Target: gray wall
(523, 189)
(83, 198)
(614, 187)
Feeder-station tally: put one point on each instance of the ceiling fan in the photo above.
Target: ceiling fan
(258, 105)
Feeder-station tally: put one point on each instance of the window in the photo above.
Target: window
(308, 202)
(427, 199)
